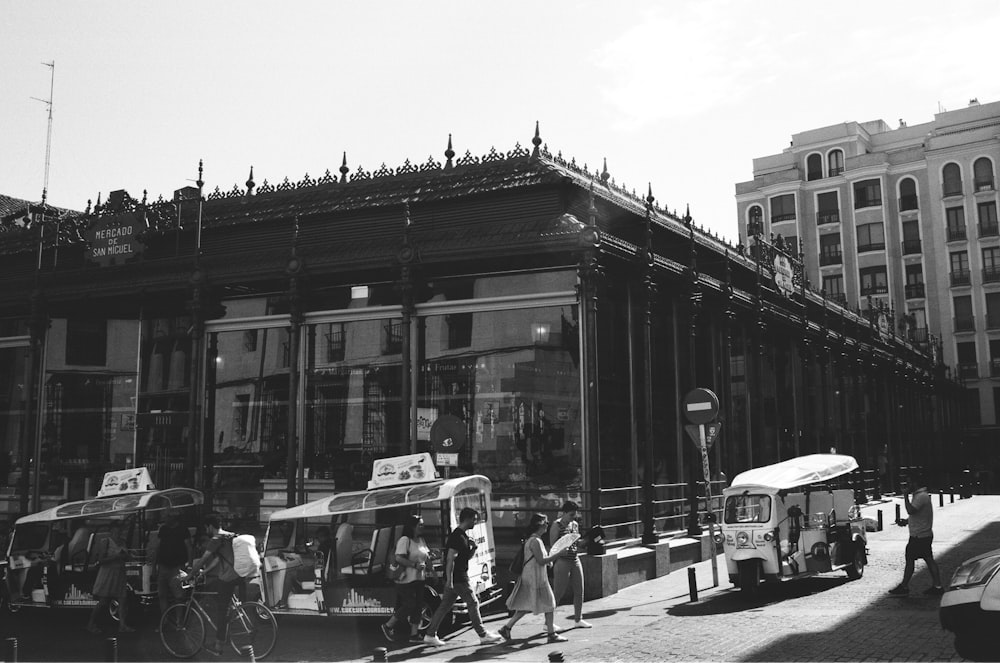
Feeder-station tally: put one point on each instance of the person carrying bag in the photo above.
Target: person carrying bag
(412, 554)
(532, 592)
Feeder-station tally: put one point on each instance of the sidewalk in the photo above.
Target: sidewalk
(627, 615)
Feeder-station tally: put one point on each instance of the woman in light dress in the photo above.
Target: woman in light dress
(532, 592)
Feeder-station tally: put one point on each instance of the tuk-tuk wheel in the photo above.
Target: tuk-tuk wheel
(972, 646)
(856, 568)
(749, 577)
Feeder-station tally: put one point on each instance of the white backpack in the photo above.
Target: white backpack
(246, 559)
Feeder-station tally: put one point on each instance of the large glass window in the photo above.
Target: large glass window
(835, 162)
(827, 208)
(814, 167)
(964, 320)
(993, 310)
(952, 180)
(908, 195)
(834, 287)
(829, 249)
(871, 237)
(867, 193)
(783, 208)
(988, 219)
(955, 217)
(874, 281)
(968, 364)
(982, 171)
(991, 264)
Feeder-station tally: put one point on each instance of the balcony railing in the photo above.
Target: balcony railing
(830, 216)
(984, 184)
(871, 246)
(995, 367)
(835, 171)
(777, 218)
(956, 233)
(392, 338)
(874, 290)
(911, 246)
(960, 277)
(918, 334)
(952, 189)
(839, 298)
(831, 257)
(965, 324)
(907, 203)
(914, 290)
(968, 371)
(989, 229)
(991, 274)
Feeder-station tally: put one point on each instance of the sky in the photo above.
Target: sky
(680, 95)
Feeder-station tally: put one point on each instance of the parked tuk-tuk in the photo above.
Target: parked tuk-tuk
(784, 522)
(329, 557)
(52, 555)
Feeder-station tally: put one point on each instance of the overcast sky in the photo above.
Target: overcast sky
(682, 95)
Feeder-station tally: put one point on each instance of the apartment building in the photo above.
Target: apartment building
(902, 218)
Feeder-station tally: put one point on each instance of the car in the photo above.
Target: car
(970, 607)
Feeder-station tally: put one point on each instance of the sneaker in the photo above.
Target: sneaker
(900, 590)
(490, 638)
(505, 633)
(555, 637)
(934, 591)
(434, 641)
(387, 632)
(583, 624)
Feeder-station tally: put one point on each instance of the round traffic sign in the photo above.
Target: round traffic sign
(448, 434)
(701, 406)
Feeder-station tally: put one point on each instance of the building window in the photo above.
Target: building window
(791, 245)
(991, 264)
(336, 345)
(827, 208)
(972, 415)
(250, 340)
(995, 363)
(993, 310)
(874, 281)
(829, 249)
(835, 161)
(834, 288)
(871, 237)
(918, 331)
(988, 219)
(914, 281)
(968, 365)
(783, 208)
(956, 223)
(814, 167)
(459, 330)
(908, 195)
(964, 320)
(982, 172)
(911, 238)
(392, 337)
(755, 220)
(959, 268)
(86, 342)
(952, 176)
(867, 193)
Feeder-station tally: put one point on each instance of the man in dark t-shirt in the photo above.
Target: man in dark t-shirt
(460, 550)
(173, 552)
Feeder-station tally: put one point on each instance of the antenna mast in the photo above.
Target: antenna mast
(48, 138)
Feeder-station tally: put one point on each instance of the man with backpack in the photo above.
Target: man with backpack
(220, 573)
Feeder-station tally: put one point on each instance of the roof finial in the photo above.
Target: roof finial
(200, 182)
(344, 169)
(87, 211)
(649, 196)
(536, 141)
(605, 175)
(592, 210)
(250, 183)
(687, 215)
(144, 195)
(449, 154)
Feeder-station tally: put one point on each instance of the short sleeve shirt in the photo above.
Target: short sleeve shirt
(416, 551)
(921, 515)
(464, 547)
(221, 545)
(173, 550)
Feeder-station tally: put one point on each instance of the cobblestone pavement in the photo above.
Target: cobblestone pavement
(819, 619)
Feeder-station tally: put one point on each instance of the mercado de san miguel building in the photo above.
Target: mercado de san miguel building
(267, 344)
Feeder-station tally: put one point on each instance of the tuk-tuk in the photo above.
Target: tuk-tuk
(784, 522)
(330, 556)
(52, 555)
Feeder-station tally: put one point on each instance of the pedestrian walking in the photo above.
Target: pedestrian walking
(532, 592)
(460, 549)
(412, 554)
(920, 511)
(568, 571)
(171, 553)
(111, 582)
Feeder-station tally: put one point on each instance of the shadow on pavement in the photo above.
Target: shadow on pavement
(733, 601)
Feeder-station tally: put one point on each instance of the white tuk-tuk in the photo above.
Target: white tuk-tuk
(52, 556)
(330, 556)
(783, 522)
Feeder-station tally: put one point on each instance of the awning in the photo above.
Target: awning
(117, 505)
(384, 498)
(797, 471)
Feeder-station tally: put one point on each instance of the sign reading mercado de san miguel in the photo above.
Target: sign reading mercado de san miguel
(113, 240)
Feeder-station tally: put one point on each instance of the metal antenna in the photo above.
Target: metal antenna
(48, 138)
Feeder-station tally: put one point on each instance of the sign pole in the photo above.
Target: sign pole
(708, 502)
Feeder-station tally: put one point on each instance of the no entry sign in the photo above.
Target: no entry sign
(701, 406)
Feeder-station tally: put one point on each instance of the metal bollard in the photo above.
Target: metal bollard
(940, 499)
(880, 520)
(692, 584)
(111, 650)
(248, 651)
(952, 501)
(10, 650)
(556, 657)
(897, 514)
(380, 654)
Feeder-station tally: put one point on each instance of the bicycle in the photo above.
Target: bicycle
(251, 623)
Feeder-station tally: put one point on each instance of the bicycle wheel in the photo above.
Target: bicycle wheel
(253, 625)
(182, 631)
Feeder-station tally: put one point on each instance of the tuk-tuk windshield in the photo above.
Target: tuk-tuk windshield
(30, 537)
(747, 508)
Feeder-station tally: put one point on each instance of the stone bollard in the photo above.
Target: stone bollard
(10, 650)
(556, 657)
(693, 584)
(380, 654)
(111, 650)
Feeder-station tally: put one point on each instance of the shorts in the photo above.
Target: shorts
(919, 549)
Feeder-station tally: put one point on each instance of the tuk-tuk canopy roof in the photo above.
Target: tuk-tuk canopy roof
(384, 498)
(117, 505)
(797, 471)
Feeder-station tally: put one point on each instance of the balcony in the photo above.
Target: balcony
(835, 171)
(778, 218)
(829, 216)
(831, 257)
(984, 184)
(872, 246)
(839, 298)
(965, 324)
(908, 203)
(960, 277)
(956, 234)
(918, 335)
(995, 367)
(952, 189)
(914, 290)
(911, 246)
(969, 371)
(989, 229)
(991, 274)
(877, 289)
